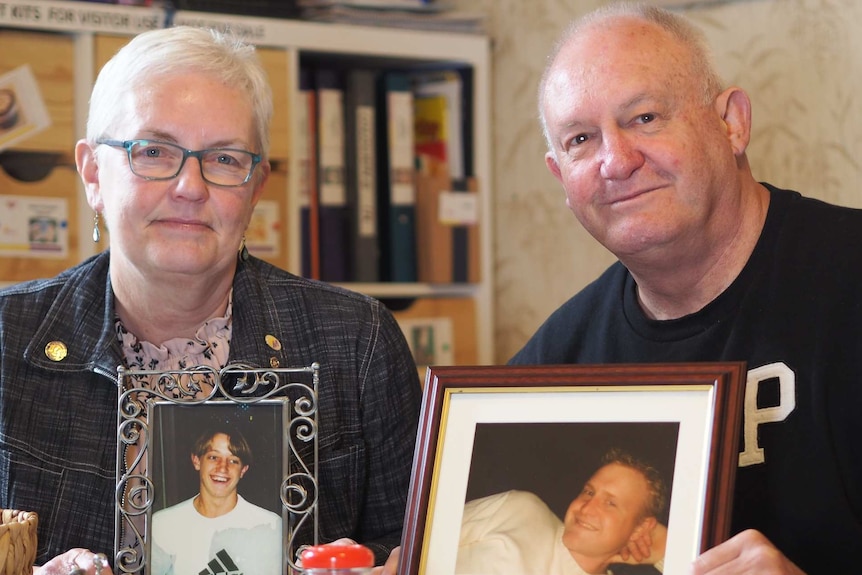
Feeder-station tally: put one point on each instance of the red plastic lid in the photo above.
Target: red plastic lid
(337, 556)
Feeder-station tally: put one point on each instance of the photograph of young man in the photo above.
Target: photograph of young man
(615, 513)
(217, 530)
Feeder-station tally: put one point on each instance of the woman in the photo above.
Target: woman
(174, 162)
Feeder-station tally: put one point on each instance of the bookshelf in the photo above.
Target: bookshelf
(69, 41)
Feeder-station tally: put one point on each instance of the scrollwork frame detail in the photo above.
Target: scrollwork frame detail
(237, 383)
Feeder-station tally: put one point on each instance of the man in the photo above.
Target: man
(515, 532)
(651, 151)
(217, 530)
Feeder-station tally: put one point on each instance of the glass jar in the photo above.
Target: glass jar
(337, 560)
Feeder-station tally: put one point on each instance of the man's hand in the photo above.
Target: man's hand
(388, 568)
(747, 552)
(649, 548)
(391, 565)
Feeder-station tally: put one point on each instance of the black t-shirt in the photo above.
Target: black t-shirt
(794, 315)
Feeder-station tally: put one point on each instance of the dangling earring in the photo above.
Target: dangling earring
(97, 235)
(243, 251)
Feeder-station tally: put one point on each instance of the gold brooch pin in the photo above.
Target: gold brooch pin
(273, 342)
(56, 351)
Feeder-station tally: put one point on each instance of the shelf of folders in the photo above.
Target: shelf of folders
(392, 199)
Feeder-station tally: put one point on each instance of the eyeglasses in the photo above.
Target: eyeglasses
(155, 160)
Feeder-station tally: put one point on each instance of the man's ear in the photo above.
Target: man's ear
(645, 526)
(196, 462)
(553, 165)
(734, 107)
(242, 471)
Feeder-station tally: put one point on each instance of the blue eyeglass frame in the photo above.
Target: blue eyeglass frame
(127, 145)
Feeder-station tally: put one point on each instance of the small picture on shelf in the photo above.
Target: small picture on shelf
(430, 340)
(22, 110)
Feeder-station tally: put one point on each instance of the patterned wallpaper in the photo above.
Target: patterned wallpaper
(799, 60)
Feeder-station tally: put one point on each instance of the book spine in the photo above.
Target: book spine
(465, 240)
(400, 192)
(307, 161)
(430, 129)
(434, 251)
(362, 174)
(334, 232)
(449, 85)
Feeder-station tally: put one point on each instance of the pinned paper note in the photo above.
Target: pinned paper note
(22, 109)
(459, 208)
(34, 227)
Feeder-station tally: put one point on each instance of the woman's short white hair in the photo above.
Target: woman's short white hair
(177, 50)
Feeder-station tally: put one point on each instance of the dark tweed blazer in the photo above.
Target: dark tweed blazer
(58, 419)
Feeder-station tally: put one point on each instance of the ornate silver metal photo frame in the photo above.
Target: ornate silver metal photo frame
(153, 435)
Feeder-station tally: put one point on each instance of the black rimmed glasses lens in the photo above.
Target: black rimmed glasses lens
(155, 160)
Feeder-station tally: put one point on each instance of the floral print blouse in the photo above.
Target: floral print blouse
(209, 347)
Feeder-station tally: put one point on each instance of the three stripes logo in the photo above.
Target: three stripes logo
(222, 564)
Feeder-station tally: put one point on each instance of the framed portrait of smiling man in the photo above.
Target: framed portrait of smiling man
(571, 469)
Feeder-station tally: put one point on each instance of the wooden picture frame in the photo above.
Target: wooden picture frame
(693, 409)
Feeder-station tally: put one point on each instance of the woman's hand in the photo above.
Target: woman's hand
(75, 562)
